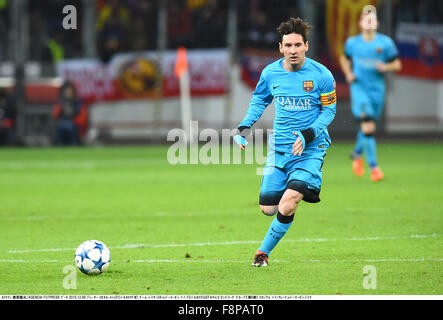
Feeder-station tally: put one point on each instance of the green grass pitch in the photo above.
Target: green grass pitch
(193, 229)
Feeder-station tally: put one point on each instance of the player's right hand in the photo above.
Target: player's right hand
(241, 141)
(350, 77)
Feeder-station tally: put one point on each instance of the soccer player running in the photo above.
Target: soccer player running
(305, 104)
(366, 59)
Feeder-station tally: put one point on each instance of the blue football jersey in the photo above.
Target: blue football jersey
(303, 99)
(365, 54)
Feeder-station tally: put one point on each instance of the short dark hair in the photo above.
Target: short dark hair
(294, 25)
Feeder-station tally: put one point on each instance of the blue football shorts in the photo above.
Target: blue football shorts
(283, 168)
(367, 100)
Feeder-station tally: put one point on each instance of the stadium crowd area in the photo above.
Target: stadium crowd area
(131, 25)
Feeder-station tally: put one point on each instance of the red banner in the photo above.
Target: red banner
(142, 75)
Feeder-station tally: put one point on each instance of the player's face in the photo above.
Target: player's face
(293, 49)
(368, 22)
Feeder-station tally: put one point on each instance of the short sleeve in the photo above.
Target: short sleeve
(391, 50)
(348, 48)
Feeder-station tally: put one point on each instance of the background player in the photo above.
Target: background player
(305, 104)
(367, 57)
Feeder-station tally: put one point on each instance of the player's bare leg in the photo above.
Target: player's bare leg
(269, 210)
(289, 202)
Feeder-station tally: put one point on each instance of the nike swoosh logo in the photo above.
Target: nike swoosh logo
(276, 86)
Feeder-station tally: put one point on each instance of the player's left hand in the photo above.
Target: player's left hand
(299, 144)
(381, 67)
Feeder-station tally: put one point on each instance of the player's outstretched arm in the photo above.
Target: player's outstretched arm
(261, 98)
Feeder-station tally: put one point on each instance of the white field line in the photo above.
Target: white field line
(126, 215)
(221, 243)
(24, 165)
(236, 261)
(20, 165)
(290, 261)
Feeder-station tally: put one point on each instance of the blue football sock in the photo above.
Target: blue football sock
(358, 149)
(370, 148)
(276, 231)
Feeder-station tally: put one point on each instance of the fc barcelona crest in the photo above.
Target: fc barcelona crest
(308, 86)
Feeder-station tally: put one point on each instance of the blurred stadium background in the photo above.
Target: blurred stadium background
(121, 54)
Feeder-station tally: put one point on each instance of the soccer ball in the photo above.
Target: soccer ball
(92, 257)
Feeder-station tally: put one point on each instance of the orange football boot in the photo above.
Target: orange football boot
(376, 174)
(260, 259)
(357, 167)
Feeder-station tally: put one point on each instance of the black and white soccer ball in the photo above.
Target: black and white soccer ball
(92, 257)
